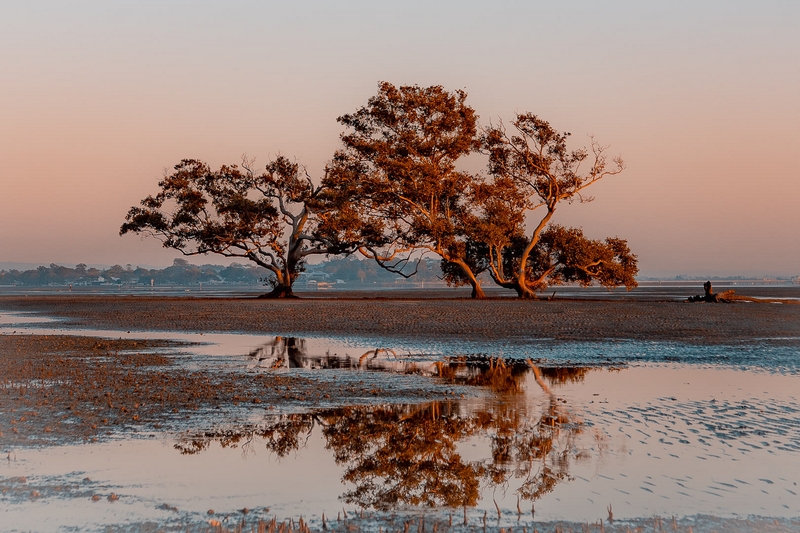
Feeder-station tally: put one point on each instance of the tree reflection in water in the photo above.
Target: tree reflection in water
(404, 455)
(482, 371)
(280, 352)
(397, 455)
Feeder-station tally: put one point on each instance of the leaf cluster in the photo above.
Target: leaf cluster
(565, 255)
(233, 212)
(394, 184)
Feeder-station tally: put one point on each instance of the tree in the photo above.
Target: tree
(234, 212)
(393, 189)
(563, 255)
(532, 170)
(238, 273)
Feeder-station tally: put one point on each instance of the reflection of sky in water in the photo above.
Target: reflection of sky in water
(694, 431)
(11, 319)
(651, 441)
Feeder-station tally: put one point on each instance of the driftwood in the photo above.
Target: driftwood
(731, 297)
(712, 297)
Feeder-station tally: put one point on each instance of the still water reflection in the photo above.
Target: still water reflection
(670, 440)
(497, 373)
(410, 454)
(684, 438)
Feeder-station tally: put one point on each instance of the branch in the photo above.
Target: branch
(416, 206)
(541, 281)
(384, 261)
(313, 251)
(496, 265)
(271, 267)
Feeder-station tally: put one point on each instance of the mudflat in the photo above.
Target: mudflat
(135, 393)
(509, 320)
(61, 388)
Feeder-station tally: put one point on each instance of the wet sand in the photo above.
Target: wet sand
(62, 389)
(511, 321)
(97, 379)
(103, 376)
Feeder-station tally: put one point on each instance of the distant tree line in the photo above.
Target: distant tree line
(180, 273)
(348, 270)
(354, 270)
(394, 193)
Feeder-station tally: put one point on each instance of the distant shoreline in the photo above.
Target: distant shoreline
(653, 292)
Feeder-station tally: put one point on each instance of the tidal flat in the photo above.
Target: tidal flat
(163, 413)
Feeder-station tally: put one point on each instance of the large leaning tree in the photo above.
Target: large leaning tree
(562, 255)
(531, 172)
(565, 255)
(235, 212)
(393, 189)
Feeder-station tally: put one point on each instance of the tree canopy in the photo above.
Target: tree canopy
(235, 212)
(533, 171)
(395, 191)
(393, 188)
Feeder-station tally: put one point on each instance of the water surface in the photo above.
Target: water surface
(545, 432)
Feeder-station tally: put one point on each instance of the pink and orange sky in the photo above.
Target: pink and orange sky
(702, 99)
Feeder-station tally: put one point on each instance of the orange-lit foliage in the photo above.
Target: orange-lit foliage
(533, 170)
(559, 375)
(394, 188)
(235, 212)
(408, 455)
(494, 373)
(404, 455)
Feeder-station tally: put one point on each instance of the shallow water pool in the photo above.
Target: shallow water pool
(548, 432)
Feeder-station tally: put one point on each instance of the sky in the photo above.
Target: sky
(702, 100)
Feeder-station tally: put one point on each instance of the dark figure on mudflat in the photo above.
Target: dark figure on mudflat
(708, 296)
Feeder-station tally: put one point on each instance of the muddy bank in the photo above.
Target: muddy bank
(512, 321)
(59, 389)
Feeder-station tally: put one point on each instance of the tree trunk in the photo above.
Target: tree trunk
(280, 291)
(477, 290)
(284, 278)
(523, 291)
(514, 285)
